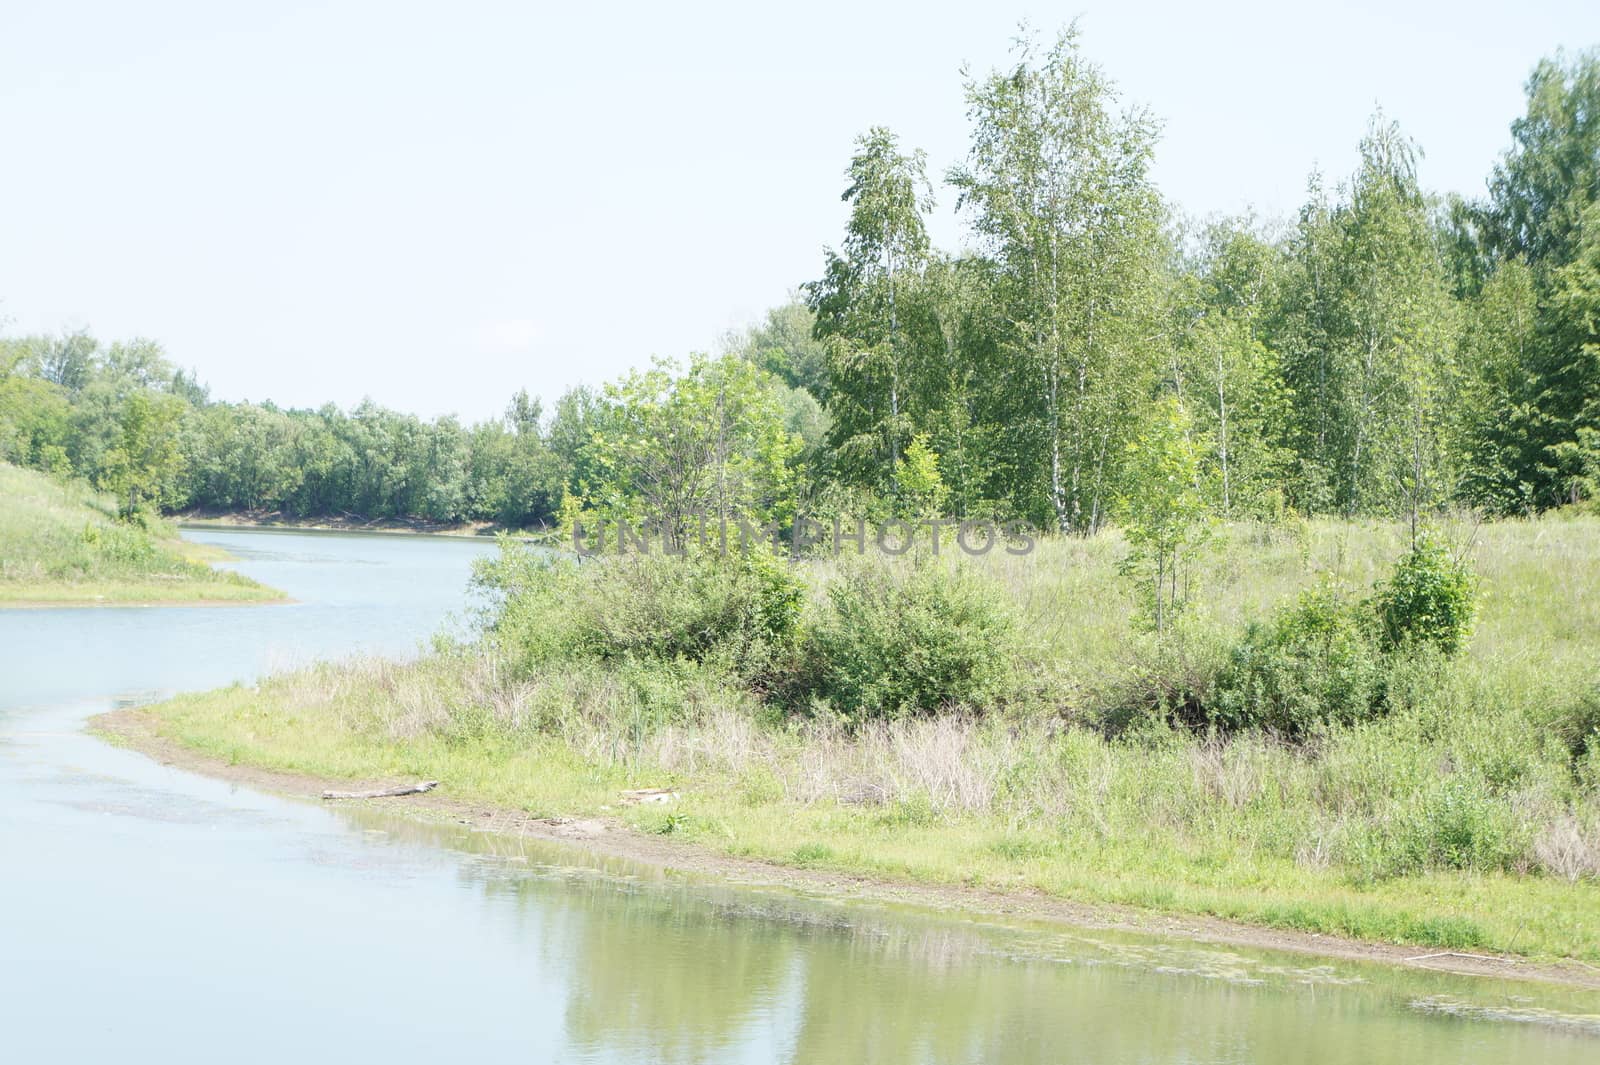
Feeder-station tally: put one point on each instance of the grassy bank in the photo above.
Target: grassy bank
(1464, 816)
(60, 545)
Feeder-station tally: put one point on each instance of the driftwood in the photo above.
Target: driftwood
(384, 793)
(655, 795)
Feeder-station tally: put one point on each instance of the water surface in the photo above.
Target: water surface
(148, 914)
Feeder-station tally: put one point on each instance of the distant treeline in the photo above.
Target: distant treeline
(1385, 351)
(70, 406)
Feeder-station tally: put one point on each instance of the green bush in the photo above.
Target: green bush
(1429, 599)
(122, 545)
(1577, 725)
(1331, 659)
(892, 642)
(1315, 662)
(1456, 823)
(738, 611)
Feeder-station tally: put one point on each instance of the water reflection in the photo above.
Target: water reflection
(666, 967)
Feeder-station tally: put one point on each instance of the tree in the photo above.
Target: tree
(1058, 188)
(35, 423)
(1369, 340)
(142, 470)
(1229, 376)
(67, 360)
(1163, 507)
(681, 445)
(1498, 413)
(1529, 255)
(859, 304)
(786, 346)
(920, 490)
(1566, 376)
(1540, 190)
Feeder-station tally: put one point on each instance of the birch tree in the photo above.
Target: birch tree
(861, 299)
(1057, 186)
(1371, 340)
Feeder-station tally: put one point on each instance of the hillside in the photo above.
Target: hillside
(60, 546)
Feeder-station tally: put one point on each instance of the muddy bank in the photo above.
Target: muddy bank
(137, 729)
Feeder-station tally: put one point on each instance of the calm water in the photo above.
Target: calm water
(147, 914)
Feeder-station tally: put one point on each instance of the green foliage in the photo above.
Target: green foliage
(739, 613)
(1462, 812)
(1316, 662)
(59, 543)
(890, 642)
(919, 488)
(1499, 414)
(143, 466)
(1541, 187)
(1366, 332)
(1231, 376)
(862, 306)
(1455, 822)
(706, 442)
(1334, 659)
(785, 345)
(1577, 724)
(1431, 598)
(1164, 508)
(1057, 185)
(35, 423)
(1380, 356)
(119, 546)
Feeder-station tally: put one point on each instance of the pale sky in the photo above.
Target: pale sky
(436, 205)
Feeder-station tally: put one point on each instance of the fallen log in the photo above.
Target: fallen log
(384, 793)
(638, 795)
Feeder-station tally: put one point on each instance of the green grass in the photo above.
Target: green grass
(1462, 820)
(1102, 855)
(60, 545)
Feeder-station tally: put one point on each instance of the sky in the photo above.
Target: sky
(436, 205)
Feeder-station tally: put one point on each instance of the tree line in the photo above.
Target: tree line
(1088, 350)
(1385, 352)
(122, 417)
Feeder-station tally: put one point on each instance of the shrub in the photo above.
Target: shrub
(1169, 682)
(1577, 725)
(1429, 599)
(1315, 662)
(1330, 659)
(1455, 823)
(892, 642)
(736, 611)
(121, 545)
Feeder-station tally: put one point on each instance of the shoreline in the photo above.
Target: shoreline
(137, 729)
(104, 603)
(276, 520)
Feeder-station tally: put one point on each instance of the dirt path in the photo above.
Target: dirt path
(137, 729)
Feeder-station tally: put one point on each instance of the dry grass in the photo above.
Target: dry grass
(1569, 848)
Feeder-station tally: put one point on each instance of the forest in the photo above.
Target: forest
(1386, 352)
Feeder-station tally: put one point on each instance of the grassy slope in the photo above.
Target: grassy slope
(59, 545)
(1249, 830)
